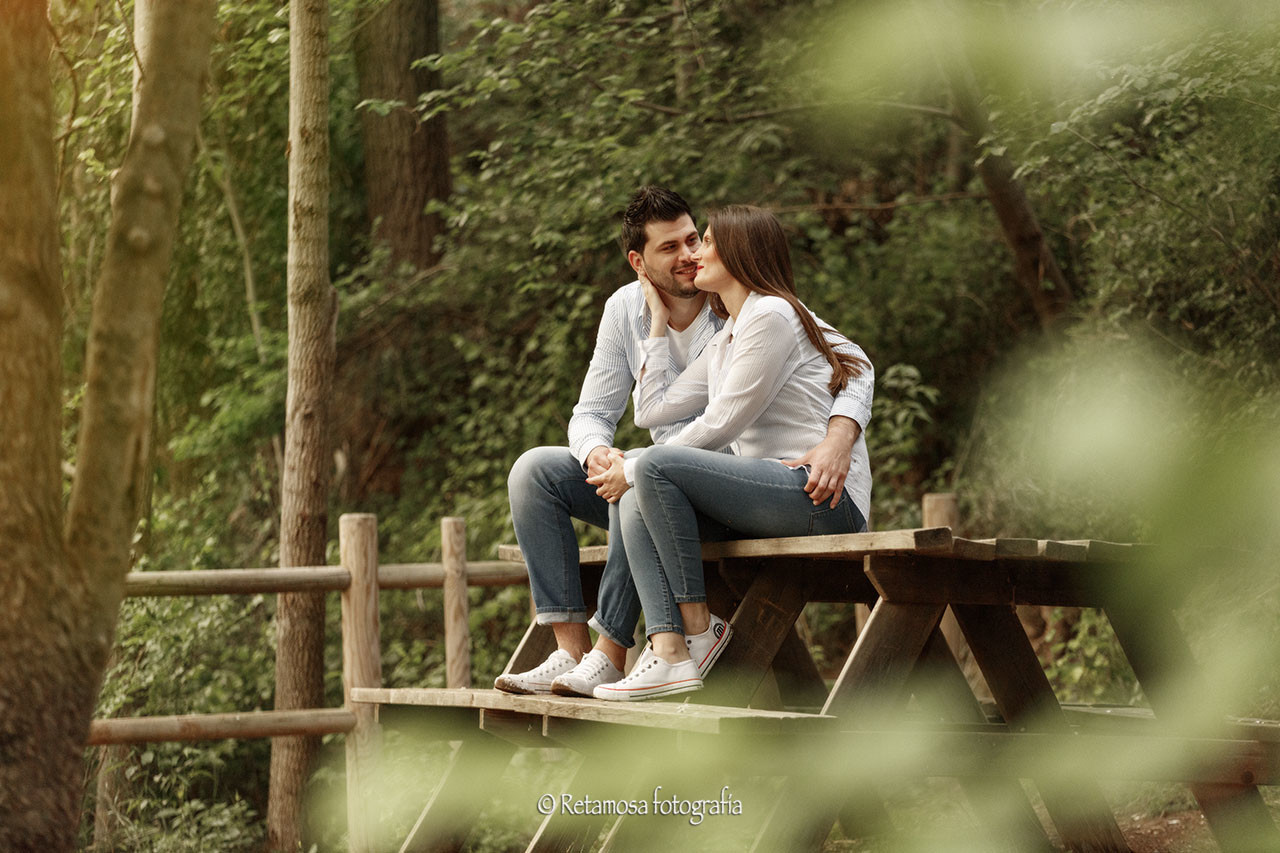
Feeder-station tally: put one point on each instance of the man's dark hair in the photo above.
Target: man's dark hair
(650, 204)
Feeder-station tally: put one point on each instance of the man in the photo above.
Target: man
(548, 485)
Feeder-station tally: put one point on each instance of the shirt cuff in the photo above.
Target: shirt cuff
(584, 446)
(854, 411)
(629, 469)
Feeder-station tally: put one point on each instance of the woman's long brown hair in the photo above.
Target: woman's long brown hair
(753, 248)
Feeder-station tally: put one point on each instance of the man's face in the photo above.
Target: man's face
(668, 256)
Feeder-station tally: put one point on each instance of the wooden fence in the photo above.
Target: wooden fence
(359, 578)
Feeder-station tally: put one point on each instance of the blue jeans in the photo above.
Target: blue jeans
(674, 486)
(547, 488)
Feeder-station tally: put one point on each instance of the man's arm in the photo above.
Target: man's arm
(604, 394)
(829, 460)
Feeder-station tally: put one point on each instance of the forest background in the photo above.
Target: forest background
(1130, 394)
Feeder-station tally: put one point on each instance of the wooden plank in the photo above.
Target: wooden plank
(875, 674)
(237, 581)
(1069, 551)
(193, 727)
(1000, 645)
(600, 777)
(768, 612)
(974, 549)
(589, 555)
(310, 579)
(1160, 657)
(928, 579)
(994, 754)
(847, 545)
(522, 730)
(431, 575)
(1017, 548)
(708, 719)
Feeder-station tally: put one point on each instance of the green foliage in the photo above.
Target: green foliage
(1153, 170)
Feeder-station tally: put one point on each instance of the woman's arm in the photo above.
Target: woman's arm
(762, 360)
(661, 402)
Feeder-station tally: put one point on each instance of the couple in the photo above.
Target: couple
(724, 357)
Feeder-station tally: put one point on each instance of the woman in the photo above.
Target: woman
(767, 381)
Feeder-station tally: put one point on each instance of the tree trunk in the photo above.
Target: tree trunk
(1034, 265)
(61, 587)
(307, 455)
(406, 162)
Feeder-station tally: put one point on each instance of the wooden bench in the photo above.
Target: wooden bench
(910, 577)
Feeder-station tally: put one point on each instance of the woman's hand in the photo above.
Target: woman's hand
(659, 313)
(611, 484)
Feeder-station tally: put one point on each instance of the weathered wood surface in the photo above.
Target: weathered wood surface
(312, 579)
(999, 644)
(706, 719)
(927, 579)
(457, 629)
(192, 727)
(934, 541)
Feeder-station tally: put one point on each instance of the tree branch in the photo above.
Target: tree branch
(1201, 221)
(888, 205)
(922, 109)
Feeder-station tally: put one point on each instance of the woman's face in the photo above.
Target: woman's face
(711, 274)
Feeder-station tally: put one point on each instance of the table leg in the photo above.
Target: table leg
(1026, 699)
(767, 614)
(448, 816)
(1236, 814)
(941, 686)
(872, 683)
(599, 777)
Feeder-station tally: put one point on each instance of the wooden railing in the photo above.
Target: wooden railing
(359, 578)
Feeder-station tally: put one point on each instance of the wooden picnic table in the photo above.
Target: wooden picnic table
(909, 578)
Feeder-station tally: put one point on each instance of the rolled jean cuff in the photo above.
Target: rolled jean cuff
(690, 599)
(605, 631)
(548, 617)
(664, 629)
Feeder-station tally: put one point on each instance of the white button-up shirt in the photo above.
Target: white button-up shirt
(763, 386)
(619, 357)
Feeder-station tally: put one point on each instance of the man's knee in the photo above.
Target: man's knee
(535, 466)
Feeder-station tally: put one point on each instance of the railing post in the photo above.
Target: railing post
(361, 667)
(457, 629)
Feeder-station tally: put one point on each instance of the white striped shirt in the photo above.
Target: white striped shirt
(619, 357)
(764, 388)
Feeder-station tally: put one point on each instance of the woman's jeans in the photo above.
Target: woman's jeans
(548, 488)
(677, 488)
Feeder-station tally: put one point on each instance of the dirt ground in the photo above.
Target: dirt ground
(1180, 832)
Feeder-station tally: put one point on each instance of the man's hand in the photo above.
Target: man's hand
(829, 461)
(598, 459)
(612, 483)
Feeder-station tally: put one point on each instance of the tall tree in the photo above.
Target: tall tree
(313, 313)
(63, 577)
(406, 163)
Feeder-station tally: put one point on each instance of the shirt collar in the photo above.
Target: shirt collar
(753, 299)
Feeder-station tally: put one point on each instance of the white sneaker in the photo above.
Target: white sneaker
(652, 677)
(538, 679)
(705, 648)
(594, 670)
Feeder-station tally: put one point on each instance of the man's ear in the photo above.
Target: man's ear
(637, 262)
